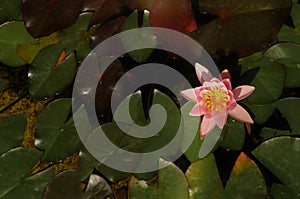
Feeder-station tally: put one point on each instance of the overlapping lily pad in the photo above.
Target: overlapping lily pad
(290, 34)
(15, 167)
(246, 180)
(287, 54)
(161, 189)
(290, 108)
(12, 35)
(55, 132)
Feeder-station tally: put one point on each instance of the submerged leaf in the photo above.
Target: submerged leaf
(43, 17)
(232, 32)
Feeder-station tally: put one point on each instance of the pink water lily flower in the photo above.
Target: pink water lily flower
(215, 99)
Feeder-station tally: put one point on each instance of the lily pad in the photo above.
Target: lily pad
(48, 76)
(268, 133)
(15, 166)
(43, 17)
(268, 81)
(55, 132)
(77, 36)
(287, 151)
(288, 55)
(190, 130)
(64, 186)
(232, 31)
(97, 187)
(261, 112)
(235, 135)
(107, 9)
(161, 189)
(10, 10)
(203, 179)
(86, 164)
(12, 35)
(279, 191)
(28, 51)
(290, 108)
(290, 34)
(246, 180)
(142, 37)
(12, 132)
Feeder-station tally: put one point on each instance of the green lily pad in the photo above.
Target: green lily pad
(190, 130)
(86, 164)
(268, 133)
(210, 142)
(246, 180)
(32, 187)
(64, 186)
(290, 109)
(77, 36)
(12, 35)
(289, 34)
(261, 112)
(288, 55)
(235, 135)
(162, 188)
(56, 133)
(281, 156)
(28, 51)
(268, 81)
(10, 10)
(147, 37)
(15, 166)
(163, 136)
(279, 191)
(12, 132)
(203, 179)
(47, 77)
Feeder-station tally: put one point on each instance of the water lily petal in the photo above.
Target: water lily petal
(203, 73)
(207, 124)
(239, 113)
(220, 118)
(227, 83)
(189, 94)
(241, 92)
(197, 111)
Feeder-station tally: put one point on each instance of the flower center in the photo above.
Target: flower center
(215, 99)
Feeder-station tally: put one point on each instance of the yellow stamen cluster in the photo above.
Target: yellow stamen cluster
(215, 99)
